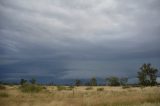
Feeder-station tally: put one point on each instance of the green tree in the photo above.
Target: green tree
(33, 81)
(147, 75)
(123, 81)
(113, 81)
(93, 81)
(77, 82)
(23, 81)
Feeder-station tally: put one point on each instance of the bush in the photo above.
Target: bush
(3, 94)
(89, 88)
(70, 88)
(100, 89)
(30, 88)
(60, 88)
(113, 81)
(93, 82)
(2, 87)
(44, 87)
(125, 87)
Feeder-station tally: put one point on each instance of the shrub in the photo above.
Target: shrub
(33, 81)
(113, 81)
(44, 87)
(100, 89)
(30, 88)
(78, 82)
(60, 88)
(89, 88)
(93, 81)
(2, 87)
(125, 87)
(23, 81)
(3, 94)
(70, 88)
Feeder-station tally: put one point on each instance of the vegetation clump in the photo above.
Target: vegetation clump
(2, 87)
(93, 81)
(70, 88)
(30, 88)
(125, 87)
(100, 89)
(4, 94)
(113, 81)
(89, 88)
(147, 75)
(60, 88)
(78, 82)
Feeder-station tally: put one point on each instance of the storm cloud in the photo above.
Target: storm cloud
(60, 39)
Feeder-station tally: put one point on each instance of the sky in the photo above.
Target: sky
(69, 39)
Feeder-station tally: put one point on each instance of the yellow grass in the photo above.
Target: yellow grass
(110, 96)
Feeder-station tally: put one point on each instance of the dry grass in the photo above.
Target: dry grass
(110, 96)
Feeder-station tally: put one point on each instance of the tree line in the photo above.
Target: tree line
(111, 81)
(147, 76)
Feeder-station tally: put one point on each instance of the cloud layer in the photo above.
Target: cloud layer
(77, 38)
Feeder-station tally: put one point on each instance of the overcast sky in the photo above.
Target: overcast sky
(63, 39)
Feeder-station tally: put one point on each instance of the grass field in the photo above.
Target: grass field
(82, 96)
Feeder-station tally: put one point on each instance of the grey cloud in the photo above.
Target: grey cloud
(78, 30)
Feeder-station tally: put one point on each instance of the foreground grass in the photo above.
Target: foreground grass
(79, 96)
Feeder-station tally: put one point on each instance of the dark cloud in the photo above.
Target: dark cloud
(77, 38)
